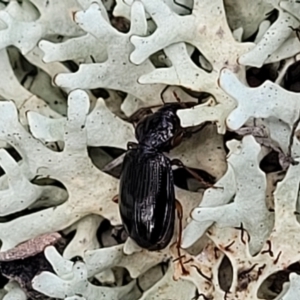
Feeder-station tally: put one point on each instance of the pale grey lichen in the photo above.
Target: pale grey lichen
(53, 123)
(247, 197)
(13, 292)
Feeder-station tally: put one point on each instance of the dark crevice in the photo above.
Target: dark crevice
(291, 81)
(225, 275)
(181, 177)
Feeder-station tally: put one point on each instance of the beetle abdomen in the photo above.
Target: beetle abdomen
(147, 200)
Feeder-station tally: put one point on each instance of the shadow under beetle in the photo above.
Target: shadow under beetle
(146, 193)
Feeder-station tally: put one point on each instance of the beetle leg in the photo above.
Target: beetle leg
(115, 199)
(139, 114)
(200, 127)
(177, 162)
(114, 163)
(177, 138)
(185, 133)
(180, 135)
(180, 217)
(131, 145)
(119, 160)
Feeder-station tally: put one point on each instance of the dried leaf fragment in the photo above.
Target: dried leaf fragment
(31, 247)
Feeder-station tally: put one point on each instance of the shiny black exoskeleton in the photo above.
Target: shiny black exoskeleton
(146, 194)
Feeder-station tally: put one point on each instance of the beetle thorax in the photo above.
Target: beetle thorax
(157, 131)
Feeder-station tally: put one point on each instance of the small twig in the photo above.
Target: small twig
(269, 250)
(228, 246)
(260, 269)
(297, 30)
(183, 6)
(241, 228)
(201, 273)
(245, 272)
(277, 258)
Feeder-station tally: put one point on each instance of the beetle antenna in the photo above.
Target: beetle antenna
(176, 97)
(162, 92)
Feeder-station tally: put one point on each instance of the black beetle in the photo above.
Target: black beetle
(146, 193)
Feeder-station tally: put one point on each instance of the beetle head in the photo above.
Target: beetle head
(158, 130)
